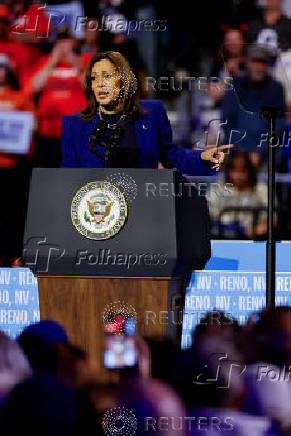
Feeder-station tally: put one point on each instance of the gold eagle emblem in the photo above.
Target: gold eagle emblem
(97, 215)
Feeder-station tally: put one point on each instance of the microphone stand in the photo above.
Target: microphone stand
(106, 157)
(271, 114)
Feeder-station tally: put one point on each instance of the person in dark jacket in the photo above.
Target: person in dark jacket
(244, 125)
(271, 27)
(118, 130)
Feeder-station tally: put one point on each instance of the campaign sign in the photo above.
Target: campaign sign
(234, 282)
(69, 14)
(15, 131)
(19, 304)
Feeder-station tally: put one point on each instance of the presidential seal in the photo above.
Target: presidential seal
(99, 210)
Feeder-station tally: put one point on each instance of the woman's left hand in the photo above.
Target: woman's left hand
(215, 155)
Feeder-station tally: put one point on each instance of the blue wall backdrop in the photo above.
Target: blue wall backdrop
(234, 281)
(18, 300)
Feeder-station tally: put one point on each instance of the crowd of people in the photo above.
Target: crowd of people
(256, 57)
(232, 380)
(41, 73)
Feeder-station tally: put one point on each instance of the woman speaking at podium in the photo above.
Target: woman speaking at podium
(117, 130)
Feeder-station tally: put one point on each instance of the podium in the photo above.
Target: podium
(97, 237)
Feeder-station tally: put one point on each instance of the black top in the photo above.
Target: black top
(126, 153)
(277, 35)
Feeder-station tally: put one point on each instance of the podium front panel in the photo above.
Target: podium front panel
(145, 245)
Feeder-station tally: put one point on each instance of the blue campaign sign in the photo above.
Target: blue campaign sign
(15, 131)
(234, 281)
(19, 304)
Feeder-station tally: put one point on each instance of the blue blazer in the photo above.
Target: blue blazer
(154, 137)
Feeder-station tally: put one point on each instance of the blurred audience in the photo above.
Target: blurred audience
(267, 378)
(244, 192)
(22, 56)
(38, 342)
(30, 22)
(233, 379)
(44, 406)
(14, 367)
(13, 99)
(271, 28)
(229, 61)
(14, 167)
(94, 41)
(221, 384)
(244, 126)
(56, 81)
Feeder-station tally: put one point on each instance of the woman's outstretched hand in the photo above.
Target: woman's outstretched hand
(215, 155)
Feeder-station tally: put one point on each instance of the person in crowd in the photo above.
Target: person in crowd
(162, 353)
(149, 401)
(45, 406)
(22, 56)
(216, 386)
(246, 192)
(217, 323)
(75, 367)
(14, 366)
(273, 336)
(271, 28)
(13, 99)
(229, 61)
(30, 22)
(56, 82)
(214, 326)
(102, 396)
(210, 380)
(240, 106)
(267, 390)
(116, 129)
(14, 167)
(218, 389)
(94, 41)
(38, 342)
(282, 73)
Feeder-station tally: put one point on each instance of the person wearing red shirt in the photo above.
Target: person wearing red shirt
(14, 172)
(30, 22)
(13, 100)
(22, 56)
(57, 82)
